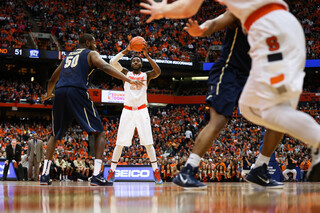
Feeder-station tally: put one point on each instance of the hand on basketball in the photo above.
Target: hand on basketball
(193, 28)
(129, 47)
(144, 50)
(46, 97)
(154, 9)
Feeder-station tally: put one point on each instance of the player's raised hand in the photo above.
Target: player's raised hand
(46, 97)
(144, 50)
(127, 50)
(193, 28)
(154, 9)
(129, 47)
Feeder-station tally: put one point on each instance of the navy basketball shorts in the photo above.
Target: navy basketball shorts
(225, 86)
(73, 103)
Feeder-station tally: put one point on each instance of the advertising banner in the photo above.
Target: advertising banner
(11, 173)
(112, 96)
(131, 173)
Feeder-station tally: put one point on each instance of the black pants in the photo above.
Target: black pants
(6, 168)
(25, 173)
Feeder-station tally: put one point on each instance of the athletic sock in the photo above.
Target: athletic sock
(46, 167)
(261, 160)
(193, 160)
(152, 156)
(97, 166)
(115, 157)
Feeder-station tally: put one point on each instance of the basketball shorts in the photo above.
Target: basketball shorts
(73, 103)
(278, 52)
(225, 86)
(131, 119)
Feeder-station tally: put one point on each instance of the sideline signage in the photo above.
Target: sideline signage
(11, 172)
(131, 173)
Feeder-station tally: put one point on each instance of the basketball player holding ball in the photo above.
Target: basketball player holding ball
(135, 112)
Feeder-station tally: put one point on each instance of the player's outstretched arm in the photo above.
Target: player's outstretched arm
(175, 10)
(156, 71)
(52, 82)
(210, 26)
(97, 61)
(115, 60)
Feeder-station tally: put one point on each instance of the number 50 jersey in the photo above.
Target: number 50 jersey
(75, 70)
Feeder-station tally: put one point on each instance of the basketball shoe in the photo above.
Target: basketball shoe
(99, 180)
(261, 177)
(110, 177)
(157, 177)
(45, 180)
(314, 172)
(186, 178)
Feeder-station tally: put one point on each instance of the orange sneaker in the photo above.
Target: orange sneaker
(157, 177)
(110, 177)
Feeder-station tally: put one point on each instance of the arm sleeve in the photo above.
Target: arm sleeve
(114, 61)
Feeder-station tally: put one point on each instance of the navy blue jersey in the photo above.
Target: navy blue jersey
(235, 48)
(75, 70)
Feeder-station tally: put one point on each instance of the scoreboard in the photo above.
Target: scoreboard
(33, 53)
(58, 55)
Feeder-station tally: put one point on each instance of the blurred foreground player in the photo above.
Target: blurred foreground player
(226, 80)
(135, 112)
(73, 101)
(271, 94)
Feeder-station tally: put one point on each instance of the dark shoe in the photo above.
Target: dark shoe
(45, 180)
(110, 177)
(261, 177)
(314, 172)
(157, 177)
(99, 180)
(186, 178)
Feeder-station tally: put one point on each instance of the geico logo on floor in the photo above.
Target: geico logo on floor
(132, 173)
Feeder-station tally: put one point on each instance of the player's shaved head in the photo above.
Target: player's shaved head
(85, 37)
(136, 56)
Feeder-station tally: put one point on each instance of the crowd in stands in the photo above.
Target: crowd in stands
(14, 24)
(20, 92)
(174, 128)
(30, 92)
(114, 23)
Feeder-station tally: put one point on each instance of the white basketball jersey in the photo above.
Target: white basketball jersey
(243, 8)
(135, 96)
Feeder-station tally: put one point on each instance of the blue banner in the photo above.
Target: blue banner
(309, 63)
(11, 171)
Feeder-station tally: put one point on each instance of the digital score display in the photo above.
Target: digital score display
(11, 51)
(33, 53)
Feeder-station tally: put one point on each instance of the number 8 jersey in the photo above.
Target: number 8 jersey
(75, 70)
(135, 96)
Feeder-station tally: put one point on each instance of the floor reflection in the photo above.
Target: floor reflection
(147, 197)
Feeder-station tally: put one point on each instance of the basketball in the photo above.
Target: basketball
(137, 43)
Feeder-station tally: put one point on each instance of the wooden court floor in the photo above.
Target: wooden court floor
(141, 197)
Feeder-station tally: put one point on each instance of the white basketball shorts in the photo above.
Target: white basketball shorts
(278, 52)
(131, 119)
